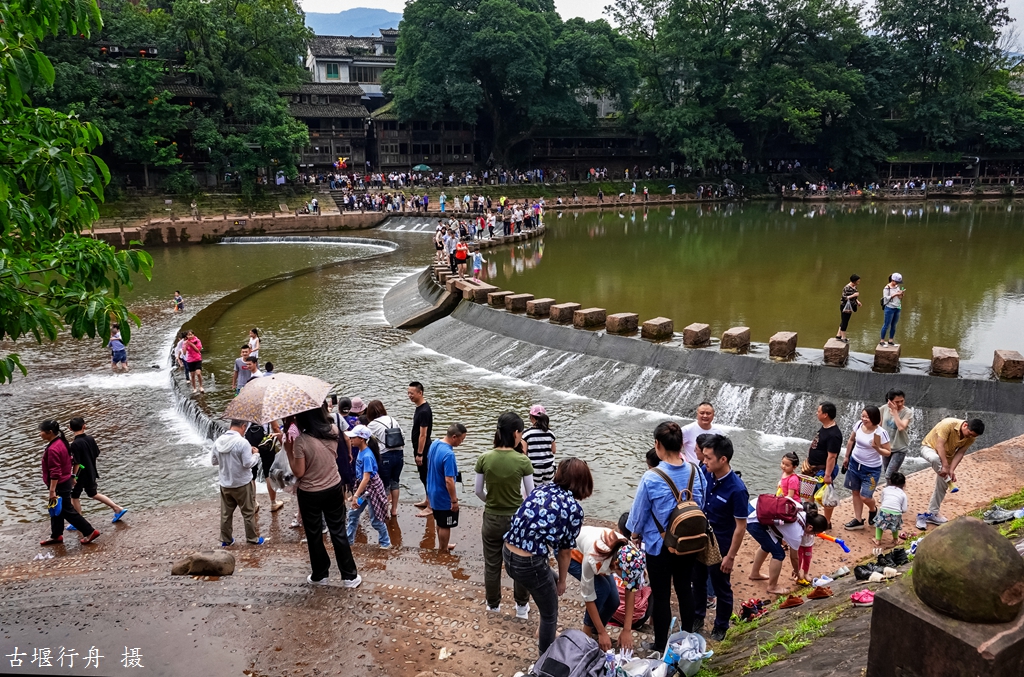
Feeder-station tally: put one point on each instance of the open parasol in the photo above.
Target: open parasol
(270, 398)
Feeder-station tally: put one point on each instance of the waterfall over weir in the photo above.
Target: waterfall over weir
(307, 239)
(748, 391)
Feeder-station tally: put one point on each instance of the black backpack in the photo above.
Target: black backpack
(256, 435)
(393, 438)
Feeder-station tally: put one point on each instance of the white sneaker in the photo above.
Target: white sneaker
(936, 518)
(354, 583)
(385, 547)
(922, 521)
(523, 612)
(494, 609)
(322, 581)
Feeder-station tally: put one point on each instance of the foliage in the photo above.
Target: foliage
(52, 277)
(511, 63)
(790, 640)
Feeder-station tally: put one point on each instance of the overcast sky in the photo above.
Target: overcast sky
(588, 9)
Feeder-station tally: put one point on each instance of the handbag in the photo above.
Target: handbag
(711, 554)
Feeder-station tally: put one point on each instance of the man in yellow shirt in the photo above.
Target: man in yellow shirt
(944, 448)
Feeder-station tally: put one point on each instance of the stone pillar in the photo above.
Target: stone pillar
(696, 335)
(443, 275)
(516, 303)
(539, 307)
(1008, 365)
(562, 313)
(497, 298)
(658, 329)
(887, 358)
(945, 362)
(782, 345)
(836, 352)
(481, 291)
(588, 318)
(622, 323)
(736, 340)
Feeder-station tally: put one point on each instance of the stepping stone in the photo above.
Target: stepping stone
(589, 317)
(782, 345)
(945, 362)
(1008, 365)
(836, 352)
(735, 340)
(658, 329)
(497, 298)
(562, 313)
(887, 359)
(622, 323)
(696, 335)
(516, 303)
(539, 307)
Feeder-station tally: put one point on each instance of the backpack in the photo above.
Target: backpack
(393, 438)
(771, 507)
(572, 654)
(256, 435)
(686, 532)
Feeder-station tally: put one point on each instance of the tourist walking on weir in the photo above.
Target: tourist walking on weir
(59, 480)
(499, 475)
(84, 451)
(657, 496)
(235, 457)
(254, 342)
(896, 417)
(311, 442)
(241, 375)
(193, 351)
(422, 429)
(868, 444)
(703, 424)
(370, 491)
(944, 447)
(892, 304)
(540, 445)
(392, 443)
(823, 455)
(548, 522)
(441, 478)
(118, 351)
(848, 304)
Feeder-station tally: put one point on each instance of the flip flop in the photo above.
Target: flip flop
(118, 516)
(276, 506)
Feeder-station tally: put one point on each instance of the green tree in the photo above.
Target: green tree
(1001, 119)
(512, 63)
(51, 277)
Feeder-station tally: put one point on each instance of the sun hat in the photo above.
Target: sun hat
(538, 410)
(359, 431)
(357, 405)
(896, 277)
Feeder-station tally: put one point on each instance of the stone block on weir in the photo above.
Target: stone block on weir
(480, 292)
(443, 275)
(836, 352)
(658, 329)
(516, 303)
(1008, 365)
(782, 345)
(622, 323)
(562, 313)
(452, 285)
(696, 335)
(736, 340)
(887, 358)
(497, 298)
(945, 361)
(539, 307)
(588, 318)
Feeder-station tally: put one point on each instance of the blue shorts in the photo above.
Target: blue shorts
(117, 356)
(862, 478)
(764, 539)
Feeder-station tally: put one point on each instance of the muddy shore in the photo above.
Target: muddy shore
(265, 620)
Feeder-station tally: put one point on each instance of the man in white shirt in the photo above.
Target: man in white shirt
(703, 424)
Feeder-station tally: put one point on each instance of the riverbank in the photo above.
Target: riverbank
(265, 620)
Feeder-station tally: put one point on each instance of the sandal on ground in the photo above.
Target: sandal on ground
(57, 540)
(91, 537)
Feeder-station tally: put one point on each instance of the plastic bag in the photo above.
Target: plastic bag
(281, 477)
(686, 651)
(830, 498)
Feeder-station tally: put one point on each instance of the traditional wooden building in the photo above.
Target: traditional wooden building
(447, 145)
(336, 117)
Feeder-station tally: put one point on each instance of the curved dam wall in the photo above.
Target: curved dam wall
(750, 391)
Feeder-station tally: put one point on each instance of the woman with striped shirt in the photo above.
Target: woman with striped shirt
(540, 445)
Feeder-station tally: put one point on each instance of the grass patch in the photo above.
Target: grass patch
(790, 640)
(706, 671)
(1013, 528)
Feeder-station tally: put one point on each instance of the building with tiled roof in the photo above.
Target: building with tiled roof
(355, 60)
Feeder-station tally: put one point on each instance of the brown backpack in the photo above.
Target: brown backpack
(686, 532)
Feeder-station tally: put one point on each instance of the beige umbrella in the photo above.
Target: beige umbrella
(269, 398)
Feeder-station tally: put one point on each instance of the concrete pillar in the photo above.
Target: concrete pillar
(516, 303)
(696, 335)
(622, 323)
(836, 352)
(539, 307)
(658, 329)
(562, 313)
(736, 340)
(887, 358)
(945, 362)
(588, 318)
(782, 345)
(1008, 365)
(481, 291)
(497, 298)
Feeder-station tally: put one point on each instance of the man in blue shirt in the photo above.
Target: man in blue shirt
(726, 505)
(442, 469)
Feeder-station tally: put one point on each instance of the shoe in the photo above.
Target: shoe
(936, 519)
(295, 524)
(225, 544)
(922, 520)
(890, 572)
(494, 609)
(276, 505)
(891, 343)
(712, 602)
(385, 547)
(71, 527)
(803, 581)
(323, 581)
(201, 389)
(718, 634)
(91, 537)
(820, 593)
(876, 577)
(872, 514)
(261, 541)
(862, 573)
(863, 598)
(354, 583)
(698, 626)
(118, 515)
(52, 541)
(881, 343)
(823, 581)
(523, 612)
(886, 561)
(899, 557)
(841, 571)
(854, 525)
(792, 601)
(845, 340)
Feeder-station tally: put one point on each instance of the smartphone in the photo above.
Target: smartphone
(334, 400)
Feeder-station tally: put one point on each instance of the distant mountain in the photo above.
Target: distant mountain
(360, 21)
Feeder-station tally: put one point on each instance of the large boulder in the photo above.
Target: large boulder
(969, 571)
(205, 563)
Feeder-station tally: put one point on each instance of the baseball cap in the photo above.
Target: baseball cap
(537, 410)
(896, 277)
(357, 406)
(359, 431)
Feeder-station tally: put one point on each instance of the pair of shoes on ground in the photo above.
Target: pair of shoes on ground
(857, 525)
(261, 541)
(522, 612)
(926, 518)
(822, 581)
(754, 608)
(792, 601)
(58, 540)
(863, 598)
(353, 583)
(823, 592)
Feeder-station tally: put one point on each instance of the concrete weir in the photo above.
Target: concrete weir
(750, 390)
